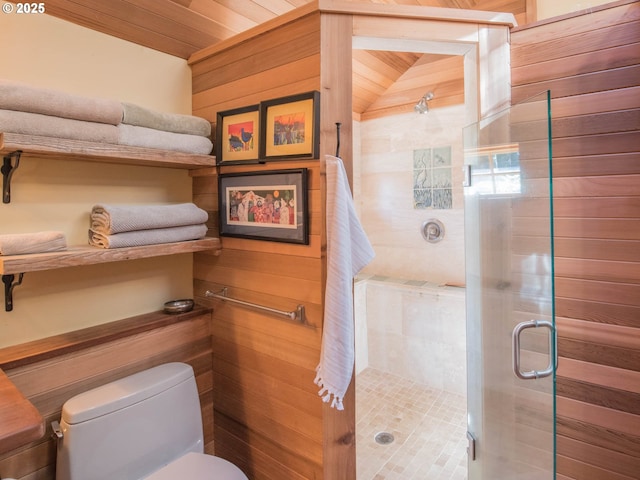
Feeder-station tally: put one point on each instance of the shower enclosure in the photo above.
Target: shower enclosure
(410, 302)
(511, 337)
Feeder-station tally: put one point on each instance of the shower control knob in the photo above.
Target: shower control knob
(433, 230)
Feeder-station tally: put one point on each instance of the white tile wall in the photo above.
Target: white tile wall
(415, 332)
(383, 192)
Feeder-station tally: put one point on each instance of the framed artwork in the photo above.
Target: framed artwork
(238, 135)
(291, 127)
(265, 206)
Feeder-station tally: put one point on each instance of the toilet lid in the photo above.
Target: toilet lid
(198, 466)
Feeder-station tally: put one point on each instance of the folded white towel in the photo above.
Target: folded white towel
(135, 136)
(147, 237)
(38, 242)
(27, 98)
(170, 122)
(111, 219)
(348, 252)
(27, 123)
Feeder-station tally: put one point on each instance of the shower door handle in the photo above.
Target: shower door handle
(553, 349)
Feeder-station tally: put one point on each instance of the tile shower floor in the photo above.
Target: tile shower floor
(429, 427)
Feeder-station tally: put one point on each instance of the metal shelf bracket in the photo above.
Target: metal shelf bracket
(9, 285)
(7, 170)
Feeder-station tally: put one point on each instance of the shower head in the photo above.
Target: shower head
(422, 106)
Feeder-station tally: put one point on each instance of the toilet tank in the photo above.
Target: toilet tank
(129, 428)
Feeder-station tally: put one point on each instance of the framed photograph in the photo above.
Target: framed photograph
(265, 206)
(291, 127)
(238, 135)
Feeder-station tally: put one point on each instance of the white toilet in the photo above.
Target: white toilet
(145, 426)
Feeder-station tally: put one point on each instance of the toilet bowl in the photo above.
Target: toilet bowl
(198, 466)
(144, 426)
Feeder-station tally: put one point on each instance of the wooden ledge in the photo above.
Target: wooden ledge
(66, 149)
(37, 350)
(88, 255)
(20, 421)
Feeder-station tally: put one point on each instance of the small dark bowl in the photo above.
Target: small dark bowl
(179, 306)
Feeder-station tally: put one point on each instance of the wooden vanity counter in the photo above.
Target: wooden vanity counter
(20, 421)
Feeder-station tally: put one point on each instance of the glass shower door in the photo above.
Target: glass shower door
(511, 338)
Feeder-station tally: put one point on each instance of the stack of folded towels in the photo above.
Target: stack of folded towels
(116, 226)
(37, 242)
(37, 111)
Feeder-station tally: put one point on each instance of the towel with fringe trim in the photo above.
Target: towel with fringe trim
(38, 242)
(348, 252)
(112, 219)
(147, 237)
(169, 122)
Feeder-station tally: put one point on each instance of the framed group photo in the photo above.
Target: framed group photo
(270, 205)
(290, 127)
(238, 135)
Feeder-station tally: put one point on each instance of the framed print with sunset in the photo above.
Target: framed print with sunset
(238, 135)
(291, 127)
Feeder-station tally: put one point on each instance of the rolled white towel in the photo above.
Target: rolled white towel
(111, 219)
(38, 242)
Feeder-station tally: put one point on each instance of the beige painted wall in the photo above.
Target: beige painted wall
(45, 51)
(51, 195)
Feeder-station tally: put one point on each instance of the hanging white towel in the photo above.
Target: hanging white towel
(348, 252)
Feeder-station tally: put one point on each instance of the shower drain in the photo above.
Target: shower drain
(384, 438)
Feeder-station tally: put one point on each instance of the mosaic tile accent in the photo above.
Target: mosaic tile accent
(429, 427)
(432, 178)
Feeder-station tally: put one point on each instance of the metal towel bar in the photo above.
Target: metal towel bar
(297, 315)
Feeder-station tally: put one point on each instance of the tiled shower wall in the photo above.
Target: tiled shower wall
(412, 329)
(407, 170)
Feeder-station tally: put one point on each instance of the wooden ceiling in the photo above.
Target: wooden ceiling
(384, 82)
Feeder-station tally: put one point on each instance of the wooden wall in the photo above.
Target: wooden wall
(376, 93)
(267, 414)
(268, 417)
(50, 371)
(591, 65)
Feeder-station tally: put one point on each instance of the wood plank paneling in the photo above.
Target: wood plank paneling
(339, 441)
(579, 453)
(50, 371)
(587, 41)
(590, 64)
(264, 366)
(268, 416)
(441, 74)
(194, 28)
(600, 334)
(591, 83)
(182, 27)
(256, 453)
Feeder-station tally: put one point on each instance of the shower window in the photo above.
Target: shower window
(495, 170)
